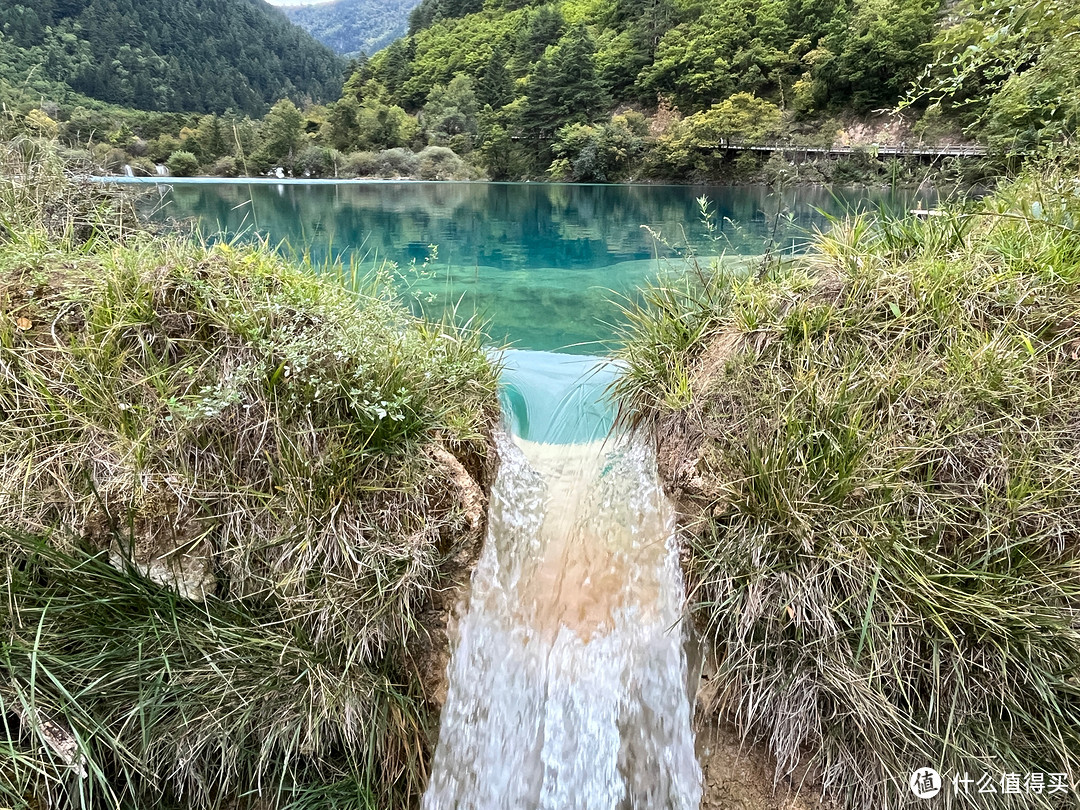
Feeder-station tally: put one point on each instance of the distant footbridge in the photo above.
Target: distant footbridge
(882, 150)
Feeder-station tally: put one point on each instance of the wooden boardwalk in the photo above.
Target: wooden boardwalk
(901, 150)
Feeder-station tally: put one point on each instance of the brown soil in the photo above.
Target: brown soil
(738, 776)
(431, 655)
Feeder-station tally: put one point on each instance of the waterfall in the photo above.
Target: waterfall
(128, 171)
(567, 685)
(162, 170)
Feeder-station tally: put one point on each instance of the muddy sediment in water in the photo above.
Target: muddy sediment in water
(568, 682)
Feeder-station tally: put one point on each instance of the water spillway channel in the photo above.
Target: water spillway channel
(568, 681)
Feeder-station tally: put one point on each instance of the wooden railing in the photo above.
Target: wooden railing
(902, 149)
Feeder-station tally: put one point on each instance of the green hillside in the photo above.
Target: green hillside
(195, 55)
(575, 90)
(806, 56)
(533, 86)
(354, 26)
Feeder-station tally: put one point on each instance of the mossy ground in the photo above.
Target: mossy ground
(878, 450)
(234, 499)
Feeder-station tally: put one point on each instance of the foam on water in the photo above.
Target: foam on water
(568, 682)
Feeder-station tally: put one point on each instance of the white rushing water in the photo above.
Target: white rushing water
(568, 684)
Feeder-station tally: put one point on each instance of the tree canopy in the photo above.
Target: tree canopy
(1011, 70)
(846, 54)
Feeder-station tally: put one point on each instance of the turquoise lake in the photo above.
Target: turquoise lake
(543, 265)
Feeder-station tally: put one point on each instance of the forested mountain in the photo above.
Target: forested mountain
(805, 55)
(196, 55)
(581, 90)
(585, 89)
(354, 26)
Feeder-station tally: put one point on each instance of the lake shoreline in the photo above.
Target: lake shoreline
(544, 266)
(718, 183)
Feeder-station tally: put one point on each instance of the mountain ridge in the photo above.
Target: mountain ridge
(351, 27)
(190, 55)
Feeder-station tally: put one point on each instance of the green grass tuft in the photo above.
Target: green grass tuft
(233, 496)
(883, 444)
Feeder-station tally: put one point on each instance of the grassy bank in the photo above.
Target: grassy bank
(879, 453)
(234, 502)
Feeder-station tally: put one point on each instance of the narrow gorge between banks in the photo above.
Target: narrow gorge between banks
(568, 683)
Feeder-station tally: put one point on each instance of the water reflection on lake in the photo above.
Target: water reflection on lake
(542, 263)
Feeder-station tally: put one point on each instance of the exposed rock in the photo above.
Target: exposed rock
(432, 654)
(56, 734)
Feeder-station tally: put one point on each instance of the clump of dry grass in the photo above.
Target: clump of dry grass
(232, 494)
(884, 447)
(60, 202)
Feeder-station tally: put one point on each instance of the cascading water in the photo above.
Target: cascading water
(568, 685)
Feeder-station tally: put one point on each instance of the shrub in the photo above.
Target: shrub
(440, 163)
(225, 166)
(600, 153)
(79, 160)
(360, 164)
(39, 123)
(182, 164)
(857, 168)
(318, 161)
(690, 145)
(399, 162)
(109, 159)
(158, 149)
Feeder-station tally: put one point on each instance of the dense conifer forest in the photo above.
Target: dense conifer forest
(190, 55)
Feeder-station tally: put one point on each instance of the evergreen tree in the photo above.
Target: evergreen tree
(396, 67)
(565, 88)
(211, 138)
(424, 15)
(343, 123)
(496, 86)
(282, 134)
(451, 111)
(546, 26)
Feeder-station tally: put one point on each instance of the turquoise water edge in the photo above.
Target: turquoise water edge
(545, 266)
